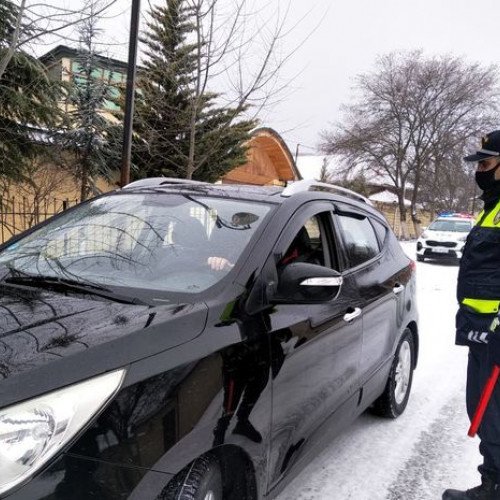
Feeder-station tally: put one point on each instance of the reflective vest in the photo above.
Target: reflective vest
(478, 287)
(479, 276)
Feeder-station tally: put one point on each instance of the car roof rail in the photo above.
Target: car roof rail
(312, 185)
(161, 181)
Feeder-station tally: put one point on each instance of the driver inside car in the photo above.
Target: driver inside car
(189, 238)
(193, 235)
(300, 250)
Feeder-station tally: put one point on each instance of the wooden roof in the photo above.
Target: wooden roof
(269, 161)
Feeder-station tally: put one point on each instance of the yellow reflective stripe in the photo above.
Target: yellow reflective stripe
(493, 217)
(482, 306)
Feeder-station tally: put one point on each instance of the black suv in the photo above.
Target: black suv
(183, 340)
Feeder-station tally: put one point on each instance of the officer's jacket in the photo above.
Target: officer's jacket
(478, 289)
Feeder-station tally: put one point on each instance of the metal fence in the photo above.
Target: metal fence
(20, 213)
(391, 213)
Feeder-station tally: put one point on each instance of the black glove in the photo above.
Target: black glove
(473, 328)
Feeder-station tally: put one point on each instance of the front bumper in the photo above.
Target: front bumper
(77, 478)
(440, 250)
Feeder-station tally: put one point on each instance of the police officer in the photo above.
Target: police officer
(478, 294)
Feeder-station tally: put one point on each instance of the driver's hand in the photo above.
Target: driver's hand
(219, 263)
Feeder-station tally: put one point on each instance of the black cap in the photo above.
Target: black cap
(490, 147)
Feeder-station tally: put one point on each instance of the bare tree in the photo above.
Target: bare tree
(355, 182)
(447, 183)
(36, 21)
(30, 199)
(211, 67)
(325, 174)
(243, 47)
(413, 115)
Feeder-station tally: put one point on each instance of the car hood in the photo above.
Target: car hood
(44, 333)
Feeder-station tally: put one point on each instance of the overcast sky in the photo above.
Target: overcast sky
(345, 39)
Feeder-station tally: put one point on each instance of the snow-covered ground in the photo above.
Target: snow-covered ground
(426, 450)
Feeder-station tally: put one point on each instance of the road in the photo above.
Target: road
(426, 450)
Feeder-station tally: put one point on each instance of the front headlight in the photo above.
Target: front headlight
(31, 433)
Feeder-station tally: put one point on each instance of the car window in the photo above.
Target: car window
(360, 240)
(149, 241)
(457, 226)
(380, 229)
(309, 244)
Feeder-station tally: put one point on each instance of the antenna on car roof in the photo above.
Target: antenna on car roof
(312, 185)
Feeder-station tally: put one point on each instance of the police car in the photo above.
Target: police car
(445, 237)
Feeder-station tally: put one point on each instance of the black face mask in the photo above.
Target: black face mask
(486, 180)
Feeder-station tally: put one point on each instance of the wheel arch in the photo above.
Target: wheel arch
(236, 468)
(236, 464)
(412, 326)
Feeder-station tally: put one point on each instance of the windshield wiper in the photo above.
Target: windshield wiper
(65, 284)
(35, 278)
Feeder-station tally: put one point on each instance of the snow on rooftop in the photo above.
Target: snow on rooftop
(387, 197)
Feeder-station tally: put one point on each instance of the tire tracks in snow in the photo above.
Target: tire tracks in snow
(428, 470)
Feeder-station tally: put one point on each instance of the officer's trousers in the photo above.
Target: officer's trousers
(478, 370)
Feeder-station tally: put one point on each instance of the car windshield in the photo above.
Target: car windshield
(154, 241)
(457, 226)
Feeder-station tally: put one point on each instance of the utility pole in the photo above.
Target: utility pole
(297, 153)
(129, 96)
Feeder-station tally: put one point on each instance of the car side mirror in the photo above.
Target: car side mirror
(305, 283)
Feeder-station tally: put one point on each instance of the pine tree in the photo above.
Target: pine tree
(180, 130)
(28, 102)
(8, 16)
(86, 133)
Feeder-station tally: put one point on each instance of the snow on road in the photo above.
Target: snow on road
(426, 450)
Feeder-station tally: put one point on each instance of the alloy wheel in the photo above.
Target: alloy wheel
(403, 372)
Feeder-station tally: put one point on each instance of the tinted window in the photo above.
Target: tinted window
(359, 238)
(380, 229)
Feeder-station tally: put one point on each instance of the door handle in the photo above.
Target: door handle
(348, 317)
(398, 288)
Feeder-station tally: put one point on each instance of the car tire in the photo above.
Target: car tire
(420, 258)
(201, 480)
(394, 399)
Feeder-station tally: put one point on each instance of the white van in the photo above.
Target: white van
(445, 237)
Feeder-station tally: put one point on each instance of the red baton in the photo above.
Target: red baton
(483, 401)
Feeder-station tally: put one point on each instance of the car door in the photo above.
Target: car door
(368, 263)
(315, 348)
